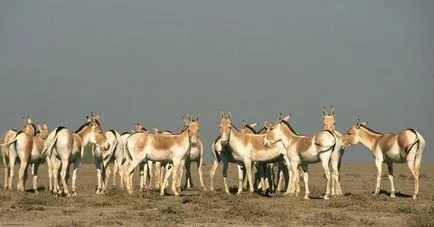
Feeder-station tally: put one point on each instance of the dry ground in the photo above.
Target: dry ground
(195, 207)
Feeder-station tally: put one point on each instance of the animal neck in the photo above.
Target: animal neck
(368, 138)
(234, 137)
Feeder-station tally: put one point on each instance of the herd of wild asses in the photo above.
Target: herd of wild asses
(161, 154)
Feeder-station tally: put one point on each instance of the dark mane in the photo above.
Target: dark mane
(251, 128)
(289, 126)
(124, 133)
(235, 127)
(262, 130)
(81, 127)
(366, 127)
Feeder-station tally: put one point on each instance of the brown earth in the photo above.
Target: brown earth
(195, 207)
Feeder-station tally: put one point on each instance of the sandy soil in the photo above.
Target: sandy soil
(195, 207)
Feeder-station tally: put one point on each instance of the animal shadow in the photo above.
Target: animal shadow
(39, 189)
(397, 194)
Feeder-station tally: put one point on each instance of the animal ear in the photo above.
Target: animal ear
(98, 117)
(333, 111)
(197, 116)
(229, 115)
(324, 111)
(45, 126)
(156, 130)
(267, 125)
(286, 118)
(243, 124)
(39, 126)
(358, 122)
(222, 115)
(280, 117)
(253, 125)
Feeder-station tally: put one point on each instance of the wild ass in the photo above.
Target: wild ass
(407, 146)
(103, 157)
(302, 150)
(170, 148)
(18, 145)
(329, 123)
(195, 154)
(224, 154)
(64, 147)
(9, 135)
(248, 148)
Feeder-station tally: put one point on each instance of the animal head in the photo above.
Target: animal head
(354, 132)
(29, 127)
(43, 130)
(92, 130)
(274, 132)
(225, 127)
(193, 128)
(329, 119)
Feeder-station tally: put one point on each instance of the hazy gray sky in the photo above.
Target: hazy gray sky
(154, 61)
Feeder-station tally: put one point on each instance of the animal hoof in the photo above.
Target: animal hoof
(306, 197)
(392, 195)
(36, 191)
(414, 197)
(326, 197)
(74, 194)
(98, 192)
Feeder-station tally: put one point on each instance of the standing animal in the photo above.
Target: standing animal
(171, 148)
(406, 146)
(64, 147)
(303, 150)
(248, 148)
(18, 145)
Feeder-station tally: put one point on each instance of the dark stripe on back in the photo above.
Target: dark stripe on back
(369, 129)
(412, 130)
(81, 127)
(251, 128)
(113, 131)
(124, 133)
(59, 129)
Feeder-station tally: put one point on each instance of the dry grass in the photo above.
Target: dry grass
(194, 207)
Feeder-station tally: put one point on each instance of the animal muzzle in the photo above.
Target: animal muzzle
(193, 140)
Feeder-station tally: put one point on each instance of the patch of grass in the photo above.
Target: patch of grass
(423, 218)
(328, 218)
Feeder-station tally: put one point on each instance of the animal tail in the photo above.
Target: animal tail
(9, 143)
(216, 153)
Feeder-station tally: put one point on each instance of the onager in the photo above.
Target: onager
(18, 145)
(329, 123)
(103, 157)
(224, 154)
(195, 154)
(407, 145)
(170, 148)
(64, 147)
(302, 150)
(248, 148)
(28, 128)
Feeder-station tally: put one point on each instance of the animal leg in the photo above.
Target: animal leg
(240, 179)
(63, 173)
(35, 177)
(378, 163)
(74, 176)
(325, 166)
(305, 169)
(392, 185)
(212, 173)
